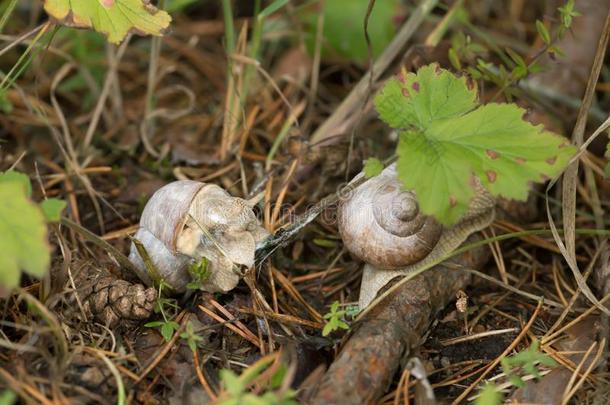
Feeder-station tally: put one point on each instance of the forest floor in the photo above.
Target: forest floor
(267, 114)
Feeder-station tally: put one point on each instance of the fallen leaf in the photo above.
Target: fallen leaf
(113, 18)
(23, 236)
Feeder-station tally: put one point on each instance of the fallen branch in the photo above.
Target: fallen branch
(369, 359)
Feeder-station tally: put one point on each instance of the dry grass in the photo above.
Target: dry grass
(277, 129)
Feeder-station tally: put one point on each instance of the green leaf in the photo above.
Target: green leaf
(8, 397)
(454, 59)
(278, 377)
(328, 329)
(52, 208)
(448, 142)
(22, 235)
(334, 319)
(372, 167)
(231, 401)
(474, 73)
(199, 272)
(13, 176)
(167, 330)
(343, 35)
(114, 18)
(272, 8)
(251, 399)
(5, 104)
(191, 337)
(490, 395)
(232, 383)
(543, 32)
(415, 100)
(519, 61)
(324, 242)
(568, 13)
(527, 360)
(519, 72)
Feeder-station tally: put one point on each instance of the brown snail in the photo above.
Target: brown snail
(187, 221)
(381, 224)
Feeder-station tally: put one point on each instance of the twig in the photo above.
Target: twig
(267, 246)
(202, 380)
(247, 336)
(467, 338)
(361, 372)
(282, 318)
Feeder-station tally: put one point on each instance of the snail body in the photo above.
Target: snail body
(381, 224)
(187, 221)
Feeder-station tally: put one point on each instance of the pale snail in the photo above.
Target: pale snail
(185, 221)
(381, 224)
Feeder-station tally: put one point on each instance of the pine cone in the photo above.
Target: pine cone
(112, 301)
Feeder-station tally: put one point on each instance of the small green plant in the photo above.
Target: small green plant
(526, 360)
(167, 326)
(490, 395)
(236, 386)
(464, 48)
(334, 319)
(567, 14)
(199, 272)
(23, 230)
(469, 55)
(8, 397)
(449, 142)
(191, 337)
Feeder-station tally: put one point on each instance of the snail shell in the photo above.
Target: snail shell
(382, 225)
(185, 221)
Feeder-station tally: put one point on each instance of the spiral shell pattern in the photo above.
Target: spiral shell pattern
(382, 225)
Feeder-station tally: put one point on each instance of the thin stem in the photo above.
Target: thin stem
(7, 13)
(22, 62)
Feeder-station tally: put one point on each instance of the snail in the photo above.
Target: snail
(186, 221)
(381, 224)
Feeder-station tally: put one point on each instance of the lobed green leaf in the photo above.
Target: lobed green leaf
(12, 176)
(448, 142)
(114, 18)
(416, 100)
(23, 235)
